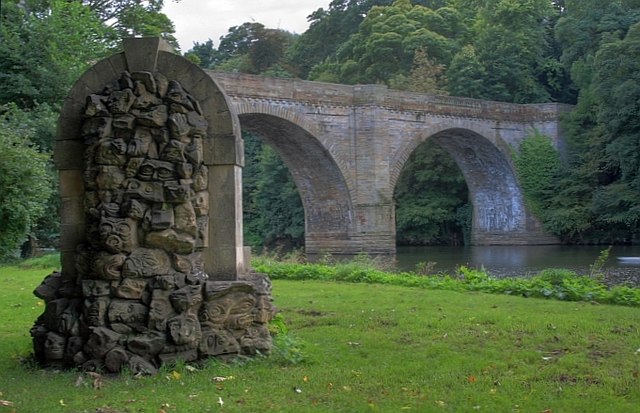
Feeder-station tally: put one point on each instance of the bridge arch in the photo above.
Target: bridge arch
(499, 212)
(323, 189)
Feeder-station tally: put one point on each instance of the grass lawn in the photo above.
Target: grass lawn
(364, 348)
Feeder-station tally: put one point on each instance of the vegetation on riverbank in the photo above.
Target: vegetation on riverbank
(361, 348)
(560, 284)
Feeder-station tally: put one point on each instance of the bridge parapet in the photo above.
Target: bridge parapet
(331, 94)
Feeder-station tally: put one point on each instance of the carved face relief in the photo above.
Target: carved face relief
(96, 128)
(54, 346)
(201, 203)
(176, 192)
(174, 152)
(202, 239)
(198, 124)
(124, 122)
(200, 178)
(144, 262)
(118, 234)
(121, 101)
(96, 311)
(184, 329)
(179, 127)
(127, 312)
(132, 167)
(109, 177)
(185, 170)
(154, 170)
(234, 310)
(108, 266)
(195, 151)
(139, 145)
(149, 191)
(185, 216)
(136, 209)
(111, 152)
(186, 298)
(264, 309)
(176, 94)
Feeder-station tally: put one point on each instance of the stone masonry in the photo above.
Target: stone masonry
(149, 157)
(346, 146)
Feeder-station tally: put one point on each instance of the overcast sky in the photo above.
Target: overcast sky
(200, 20)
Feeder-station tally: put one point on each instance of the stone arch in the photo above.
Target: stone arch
(299, 122)
(499, 212)
(223, 257)
(323, 189)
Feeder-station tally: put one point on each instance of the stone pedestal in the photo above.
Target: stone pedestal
(150, 159)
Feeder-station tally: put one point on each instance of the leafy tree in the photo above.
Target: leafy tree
(133, 18)
(273, 209)
(25, 181)
(386, 42)
(617, 88)
(426, 76)
(248, 48)
(538, 166)
(204, 54)
(429, 191)
(466, 74)
(510, 44)
(45, 50)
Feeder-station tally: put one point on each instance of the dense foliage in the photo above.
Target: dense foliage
(582, 52)
(25, 180)
(45, 45)
(550, 283)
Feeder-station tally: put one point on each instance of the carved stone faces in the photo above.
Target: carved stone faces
(141, 297)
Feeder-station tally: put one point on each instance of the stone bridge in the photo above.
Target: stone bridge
(347, 145)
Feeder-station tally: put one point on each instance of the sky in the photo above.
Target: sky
(200, 20)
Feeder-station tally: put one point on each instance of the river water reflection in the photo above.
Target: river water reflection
(523, 260)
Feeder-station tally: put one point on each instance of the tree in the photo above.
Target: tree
(617, 88)
(204, 54)
(538, 166)
(430, 190)
(45, 50)
(25, 181)
(386, 42)
(274, 215)
(250, 48)
(133, 18)
(510, 45)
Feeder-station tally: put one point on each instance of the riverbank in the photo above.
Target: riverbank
(361, 348)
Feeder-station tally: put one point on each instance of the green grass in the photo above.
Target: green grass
(355, 347)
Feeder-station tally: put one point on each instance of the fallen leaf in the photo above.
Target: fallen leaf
(174, 375)
(222, 378)
(471, 379)
(305, 379)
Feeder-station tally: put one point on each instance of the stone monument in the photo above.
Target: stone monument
(149, 156)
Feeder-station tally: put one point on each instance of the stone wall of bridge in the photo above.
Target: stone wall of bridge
(346, 146)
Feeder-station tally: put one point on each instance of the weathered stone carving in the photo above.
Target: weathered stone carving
(142, 297)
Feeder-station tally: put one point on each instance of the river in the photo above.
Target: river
(524, 260)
